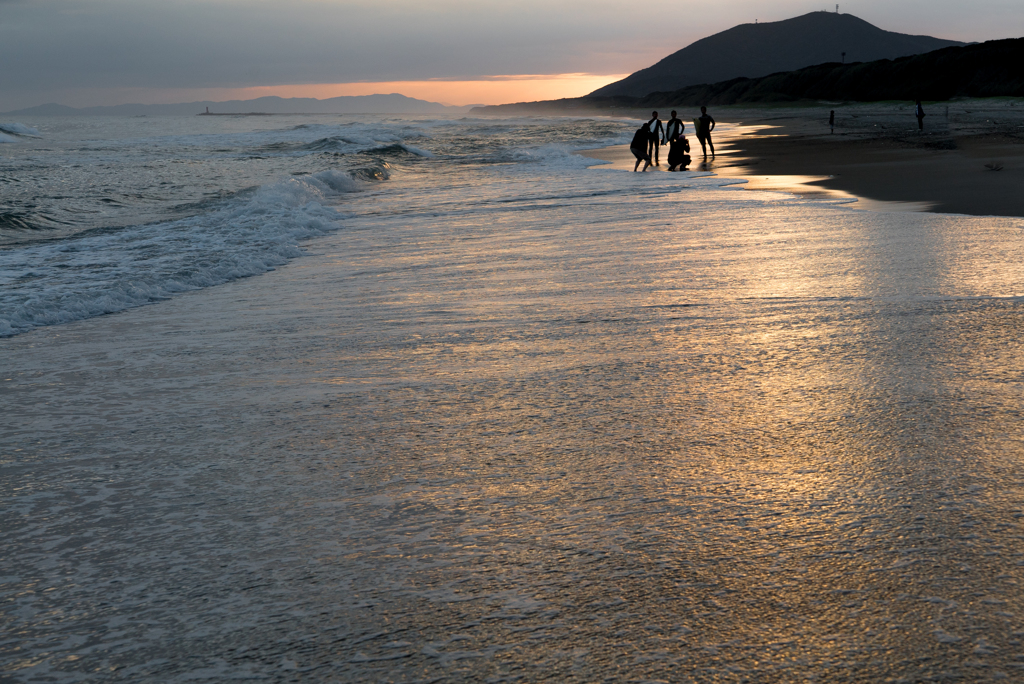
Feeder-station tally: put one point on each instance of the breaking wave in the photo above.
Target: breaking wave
(108, 271)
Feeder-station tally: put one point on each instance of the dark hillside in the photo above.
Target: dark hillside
(989, 69)
(753, 50)
(986, 70)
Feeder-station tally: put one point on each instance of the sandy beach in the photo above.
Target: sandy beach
(517, 418)
(968, 160)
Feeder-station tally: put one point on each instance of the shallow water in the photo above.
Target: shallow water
(526, 420)
(102, 214)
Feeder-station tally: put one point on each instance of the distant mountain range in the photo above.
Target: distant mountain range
(990, 69)
(753, 50)
(360, 104)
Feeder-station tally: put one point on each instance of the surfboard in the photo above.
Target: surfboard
(697, 130)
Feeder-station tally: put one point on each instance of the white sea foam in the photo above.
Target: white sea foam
(115, 233)
(17, 129)
(513, 420)
(106, 272)
(554, 155)
(416, 150)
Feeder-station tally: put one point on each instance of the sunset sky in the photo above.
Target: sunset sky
(93, 52)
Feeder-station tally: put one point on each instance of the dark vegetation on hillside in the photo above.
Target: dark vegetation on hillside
(989, 69)
(986, 70)
(755, 50)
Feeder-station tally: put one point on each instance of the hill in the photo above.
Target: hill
(361, 104)
(981, 70)
(984, 70)
(753, 50)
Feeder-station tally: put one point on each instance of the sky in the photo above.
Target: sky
(103, 52)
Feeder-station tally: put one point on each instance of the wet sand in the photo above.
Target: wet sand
(968, 160)
(532, 423)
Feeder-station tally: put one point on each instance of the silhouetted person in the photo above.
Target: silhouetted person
(707, 124)
(678, 144)
(657, 133)
(673, 128)
(677, 154)
(639, 146)
(919, 113)
(832, 120)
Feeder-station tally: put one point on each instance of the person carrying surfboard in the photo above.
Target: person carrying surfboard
(657, 134)
(673, 128)
(704, 125)
(679, 146)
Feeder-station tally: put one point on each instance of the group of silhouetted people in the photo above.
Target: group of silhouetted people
(652, 135)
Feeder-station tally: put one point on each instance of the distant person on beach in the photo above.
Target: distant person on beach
(706, 125)
(678, 144)
(832, 120)
(919, 113)
(639, 146)
(657, 133)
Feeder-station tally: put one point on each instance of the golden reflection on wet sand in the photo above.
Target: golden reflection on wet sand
(730, 164)
(623, 428)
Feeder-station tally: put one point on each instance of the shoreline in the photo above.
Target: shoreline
(497, 382)
(968, 160)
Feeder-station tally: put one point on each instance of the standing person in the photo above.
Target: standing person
(707, 124)
(832, 120)
(919, 113)
(677, 141)
(639, 147)
(657, 133)
(673, 128)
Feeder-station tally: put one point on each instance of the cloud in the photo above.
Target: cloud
(226, 44)
(50, 45)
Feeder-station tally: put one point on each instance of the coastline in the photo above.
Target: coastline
(968, 160)
(500, 381)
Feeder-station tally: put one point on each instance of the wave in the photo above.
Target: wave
(10, 132)
(554, 154)
(347, 145)
(107, 272)
(398, 148)
(329, 144)
(15, 220)
(376, 172)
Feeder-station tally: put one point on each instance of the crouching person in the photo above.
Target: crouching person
(677, 154)
(639, 147)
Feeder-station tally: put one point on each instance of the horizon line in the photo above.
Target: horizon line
(451, 92)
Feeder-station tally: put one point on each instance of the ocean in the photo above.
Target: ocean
(104, 214)
(413, 399)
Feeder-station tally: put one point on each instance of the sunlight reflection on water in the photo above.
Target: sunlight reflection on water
(639, 429)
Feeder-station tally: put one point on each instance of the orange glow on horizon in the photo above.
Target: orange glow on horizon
(485, 90)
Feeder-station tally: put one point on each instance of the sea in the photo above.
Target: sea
(419, 399)
(103, 214)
